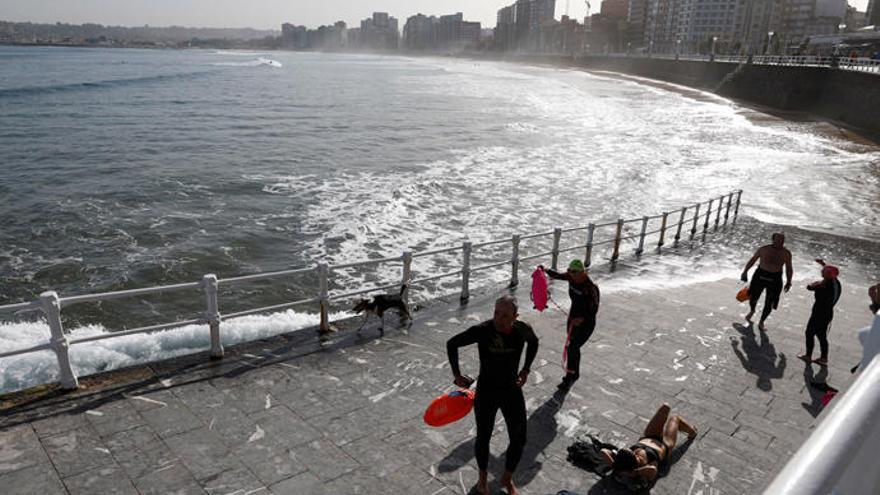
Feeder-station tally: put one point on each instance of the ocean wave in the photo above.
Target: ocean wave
(97, 85)
(32, 369)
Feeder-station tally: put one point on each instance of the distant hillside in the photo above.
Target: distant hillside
(26, 32)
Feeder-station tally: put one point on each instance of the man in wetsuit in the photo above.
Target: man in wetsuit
(584, 295)
(768, 276)
(500, 343)
(827, 292)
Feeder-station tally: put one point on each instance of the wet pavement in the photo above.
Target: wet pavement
(295, 415)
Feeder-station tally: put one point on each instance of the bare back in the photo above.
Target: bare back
(773, 259)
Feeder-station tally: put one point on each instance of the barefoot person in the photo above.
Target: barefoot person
(827, 292)
(500, 343)
(643, 459)
(584, 295)
(768, 276)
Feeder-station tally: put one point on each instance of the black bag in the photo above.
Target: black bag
(587, 455)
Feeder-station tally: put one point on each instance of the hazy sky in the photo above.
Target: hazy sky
(264, 14)
(249, 13)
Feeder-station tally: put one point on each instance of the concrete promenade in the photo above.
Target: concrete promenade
(292, 415)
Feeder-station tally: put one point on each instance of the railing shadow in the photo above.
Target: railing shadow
(758, 358)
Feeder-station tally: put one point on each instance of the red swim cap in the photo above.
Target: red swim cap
(830, 271)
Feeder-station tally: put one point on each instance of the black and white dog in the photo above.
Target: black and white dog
(381, 303)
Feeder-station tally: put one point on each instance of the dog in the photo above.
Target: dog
(381, 303)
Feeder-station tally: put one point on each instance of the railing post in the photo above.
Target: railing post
(210, 286)
(736, 209)
(588, 259)
(641, 247)
(729, 204)
(718, 213)
(616, 253)
(323, 297)
(407, 276)
(514, 262)
(663, 229)
(466, 270)
(708, 214)
(696, 219)
(557, 236)
(680, 224)
(51, 306)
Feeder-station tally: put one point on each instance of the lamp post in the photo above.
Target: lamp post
(628, 47)
(712, 51)
(769, 42)
(677, 48)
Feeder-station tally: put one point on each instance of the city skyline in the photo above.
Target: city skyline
(259, 14)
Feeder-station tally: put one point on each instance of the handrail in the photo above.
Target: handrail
(838, 457)
(860, 64)
(106, 296)
(51, 304)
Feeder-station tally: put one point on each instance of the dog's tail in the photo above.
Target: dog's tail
(403, 288)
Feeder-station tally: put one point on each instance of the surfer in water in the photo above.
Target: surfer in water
(500, 342)
(768, 276)
(584, 295)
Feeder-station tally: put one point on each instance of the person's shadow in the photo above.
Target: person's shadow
(541, 429)
(817, 387)
(758, 358)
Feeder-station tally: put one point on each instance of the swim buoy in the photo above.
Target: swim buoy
(743, 294)
(450, 407)
(539, 289)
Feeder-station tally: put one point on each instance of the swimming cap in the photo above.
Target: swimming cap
(830, 271)
(576, 266)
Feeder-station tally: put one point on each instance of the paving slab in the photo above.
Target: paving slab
(298, 415)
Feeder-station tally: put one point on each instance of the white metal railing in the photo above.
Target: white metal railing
(839, 457)
(51, 304)
(859, 64)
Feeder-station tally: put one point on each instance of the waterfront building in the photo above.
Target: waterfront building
(802, 19)
(873, 14)
(519, 26)
(607, 29)
(294, 37)
(379, 32)
(419, 32)
(636, 17)
(448, 32)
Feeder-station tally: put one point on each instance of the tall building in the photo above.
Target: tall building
(379, 32)
(636, 17)
(419, 32)
(873, 17)
(294, 37)
(519, 25)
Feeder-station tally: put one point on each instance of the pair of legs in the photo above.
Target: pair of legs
(513, 407)
(764, 280)
(817, 328)
(577, 337)
(665, 428)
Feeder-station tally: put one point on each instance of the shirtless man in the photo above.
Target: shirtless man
(768, 276)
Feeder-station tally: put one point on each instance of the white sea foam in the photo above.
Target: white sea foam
(42, 367)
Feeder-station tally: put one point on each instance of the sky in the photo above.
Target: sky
(260, 14)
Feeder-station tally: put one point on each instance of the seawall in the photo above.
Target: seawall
(844, 97)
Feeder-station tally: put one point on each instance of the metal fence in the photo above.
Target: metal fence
(844, 63)
(689, 220)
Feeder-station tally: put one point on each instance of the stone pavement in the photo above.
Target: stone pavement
(291, 415)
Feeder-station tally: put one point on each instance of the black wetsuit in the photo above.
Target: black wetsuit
(496, 385)
(584, 304)
(827, 294)
(771, 281)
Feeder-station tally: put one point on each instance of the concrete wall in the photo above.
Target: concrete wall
(844, 97)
